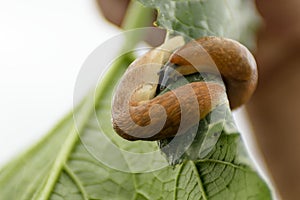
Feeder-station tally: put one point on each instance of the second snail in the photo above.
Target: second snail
(136, 108)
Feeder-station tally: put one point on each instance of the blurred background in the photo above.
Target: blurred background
(42, 47)
(44, 43)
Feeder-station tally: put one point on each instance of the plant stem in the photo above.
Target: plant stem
(137, 17)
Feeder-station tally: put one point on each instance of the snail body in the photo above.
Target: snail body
(231, 59)
(137, 114)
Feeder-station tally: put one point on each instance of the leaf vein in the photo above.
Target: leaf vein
(199, 180)
(224, 163)
(77, 181)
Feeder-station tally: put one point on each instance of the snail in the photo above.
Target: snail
(136, 110)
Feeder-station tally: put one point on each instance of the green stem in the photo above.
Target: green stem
(137, 16)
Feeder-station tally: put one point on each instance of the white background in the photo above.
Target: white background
(42, 47)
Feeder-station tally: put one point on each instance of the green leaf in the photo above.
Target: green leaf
(61, 167)
(77, 161)
(235, 19)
